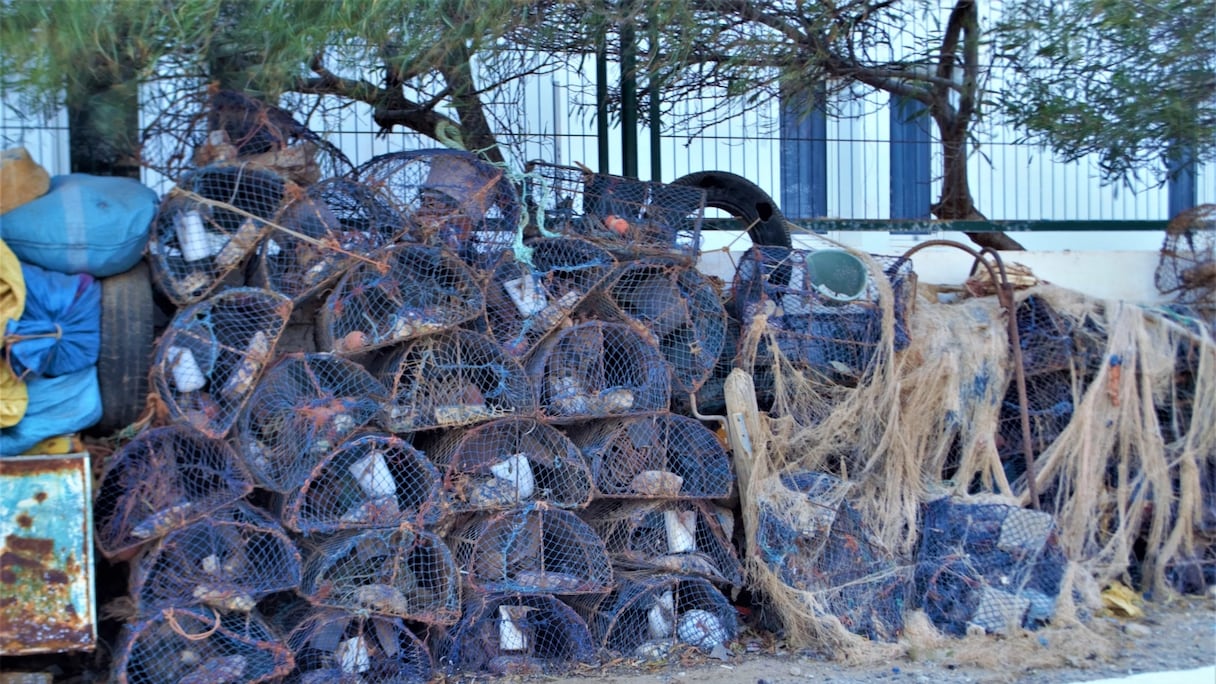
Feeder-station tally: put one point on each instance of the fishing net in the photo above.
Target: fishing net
(629, 217)
(995, 566)
(817, 542)
(304, 406)
(370, 481)
(451, 379)
(535, 549)
(163, 480)
(664, 456)
(451, 199)
(509, 462)
(333, 225)
(392, 572)
(406, 291)
(599, 370)
(527, 301)
(336, 647)
(682, 537)
(200, 646)
(1186, 269)
(207, 228)
(227, 560)
(516, 634)
(711, 397)
(815, 326)
(646, 614)
(209, 125)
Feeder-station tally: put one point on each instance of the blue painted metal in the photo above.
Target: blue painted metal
(911, 161)
(804, 157)
(46, 555)
(1183, 191)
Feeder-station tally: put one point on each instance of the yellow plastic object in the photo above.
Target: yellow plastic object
(22, 180)
(1121, 600)
(57, 446)
(14, 398)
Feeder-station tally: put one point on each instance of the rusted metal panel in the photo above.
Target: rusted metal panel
(46, 555)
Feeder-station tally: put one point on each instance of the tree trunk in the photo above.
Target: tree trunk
(475, 130)
(956, 202)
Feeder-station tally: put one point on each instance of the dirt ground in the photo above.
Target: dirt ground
(1177, 635)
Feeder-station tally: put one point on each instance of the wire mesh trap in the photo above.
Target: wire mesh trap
(1050, 405)
(626, 216)
(526, 302)
(200, 646)
(209, 125)
(1187, 266)
(227, 560)
(683, 537)
(210, 358)
(303, 407)
(163, 480)
(451, 198)
(991, 565)
(509, 462)
(535, 549)
(451, 379)
(208, 228)
(394, 572)
(323, 232)
(664, 456)
(409, 291)
(516, 634)
(337, 647)
(646, 614)
(373, 480)
(817, 542)
(599, 370)
(823, 312)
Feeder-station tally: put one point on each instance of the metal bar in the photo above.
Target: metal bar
(601, 102)
(629, 102)
(890, 226)
(911, 164)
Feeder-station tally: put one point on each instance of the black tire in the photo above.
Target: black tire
(128, 317)
(745, 201)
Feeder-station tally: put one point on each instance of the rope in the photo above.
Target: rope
(171, 618)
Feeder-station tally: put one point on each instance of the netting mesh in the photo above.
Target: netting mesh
(209, 125)
(817, 542)
(407, 292)
(509, 462)
(816, 327)
(372, 480)
(535, 549)
(646, 614)
(336, 647)
(1187, 267)
(304, 406)
(627, 216)
(207, 228)
(451, 379)
(526, 302)
(200, 646)
(228, 560)
(323, 232)
(451, 199)
(662, 456)
(210, 358)
(598, 370)
(996, 566)
(683, 537)
(679, 307)
(516, 634)
(164, 479)
(392, 572)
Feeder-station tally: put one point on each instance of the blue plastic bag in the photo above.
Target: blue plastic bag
(84, 224)
(60, 330)
(58, 406)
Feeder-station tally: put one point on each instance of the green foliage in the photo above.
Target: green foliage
(1132, 81)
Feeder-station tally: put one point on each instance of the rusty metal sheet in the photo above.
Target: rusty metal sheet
(46, 555)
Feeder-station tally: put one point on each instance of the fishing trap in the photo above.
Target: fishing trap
(372, 480)
(508, 463)
(516, 634)
(301, 409)
(209, 359)
(334, 646)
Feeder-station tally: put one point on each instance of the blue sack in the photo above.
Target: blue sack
(84, 224)
(58, 406)
(60, 330)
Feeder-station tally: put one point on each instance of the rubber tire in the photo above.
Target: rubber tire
(745, 201)
(128, 316)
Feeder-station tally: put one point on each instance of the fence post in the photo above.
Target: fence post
(911, 163)
(1183, 182)
(804, 154)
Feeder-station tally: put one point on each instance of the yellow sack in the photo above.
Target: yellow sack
(13, 396)
(22, 180)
